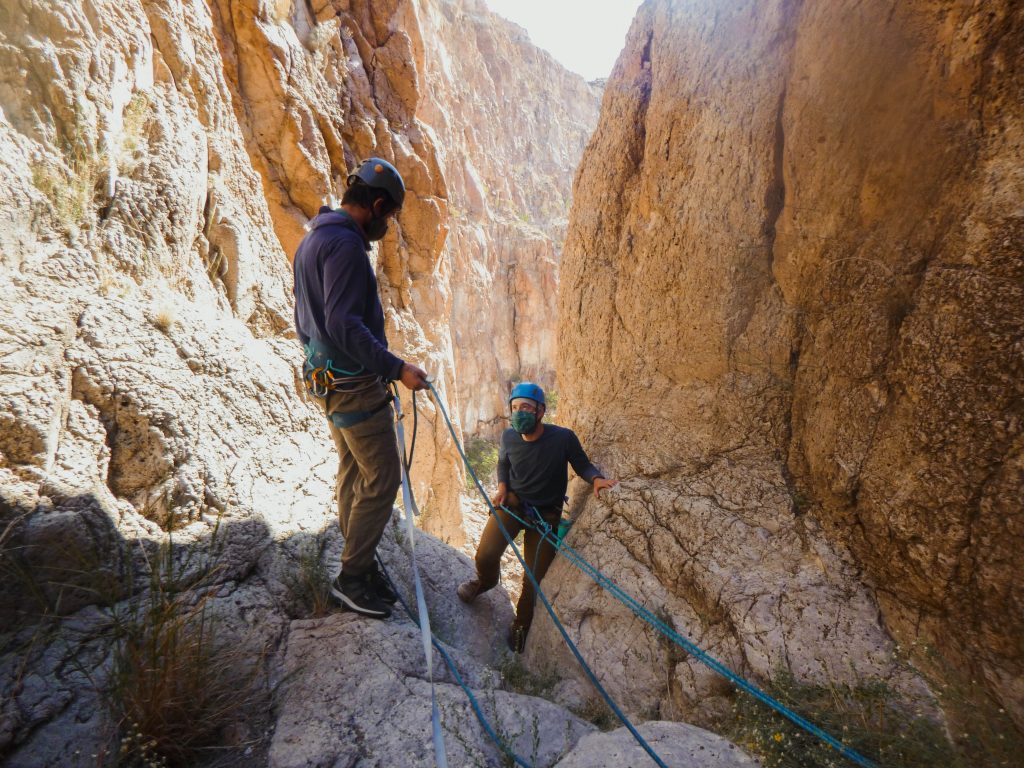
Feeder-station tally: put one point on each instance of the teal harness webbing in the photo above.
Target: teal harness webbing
(440, 755)
(321, 355)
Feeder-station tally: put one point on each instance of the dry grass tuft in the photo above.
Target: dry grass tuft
(165, 316)
(177, 683)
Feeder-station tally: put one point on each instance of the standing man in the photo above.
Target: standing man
(533, 461)
(340, 321)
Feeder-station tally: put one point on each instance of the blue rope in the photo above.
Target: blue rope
(440, 753)
(540, 593)
(640, 611)
(488, 728)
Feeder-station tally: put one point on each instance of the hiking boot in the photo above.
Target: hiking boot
(356, 593)
(468, 590)
(517, 638)
(382, 587)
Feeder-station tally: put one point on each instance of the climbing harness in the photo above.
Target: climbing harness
(440, 755)
(605, 582)
(321, 376)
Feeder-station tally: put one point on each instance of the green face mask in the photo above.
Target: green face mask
(523, 422)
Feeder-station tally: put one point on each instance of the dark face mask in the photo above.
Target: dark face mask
(524, 423)
(377, 226)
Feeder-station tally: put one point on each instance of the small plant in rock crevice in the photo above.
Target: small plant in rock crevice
(518, 679)
(176, 682)
(597, 712)
(69, 187)
(309, 583)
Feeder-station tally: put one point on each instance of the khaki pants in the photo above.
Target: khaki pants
(369, 474)
(537, 553)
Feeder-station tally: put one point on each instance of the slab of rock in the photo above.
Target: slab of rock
(355, 691)
(677, 744)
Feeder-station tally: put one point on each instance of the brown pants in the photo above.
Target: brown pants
(537, 553)
(369, 474)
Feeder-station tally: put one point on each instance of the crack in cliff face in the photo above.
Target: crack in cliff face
(645, 86)
(775, 193)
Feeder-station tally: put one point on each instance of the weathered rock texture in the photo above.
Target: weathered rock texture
(160, 159)
(790, 319)
(675, 743)
(335, 662)
(162, 154)
(510, 125)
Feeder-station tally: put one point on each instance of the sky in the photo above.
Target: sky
(584, 36)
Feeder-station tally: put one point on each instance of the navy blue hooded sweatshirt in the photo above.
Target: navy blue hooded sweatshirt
(336, 299)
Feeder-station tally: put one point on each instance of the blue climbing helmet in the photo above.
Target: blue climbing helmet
(529, 390)
(378, 173)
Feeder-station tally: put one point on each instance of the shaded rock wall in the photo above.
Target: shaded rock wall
(789, 318)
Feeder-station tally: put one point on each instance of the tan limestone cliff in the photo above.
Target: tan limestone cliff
(790, 320)
(510, 125)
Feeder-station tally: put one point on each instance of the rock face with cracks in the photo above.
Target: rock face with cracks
(789, 319)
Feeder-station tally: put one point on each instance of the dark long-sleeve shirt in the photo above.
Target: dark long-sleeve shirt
(538, 470)
(336, 299)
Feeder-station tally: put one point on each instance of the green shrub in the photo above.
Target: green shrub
(866, 718)
(483, 458)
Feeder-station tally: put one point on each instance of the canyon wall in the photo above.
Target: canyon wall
(790, 322)
(510, 125)
(163, 153)
(161, 159)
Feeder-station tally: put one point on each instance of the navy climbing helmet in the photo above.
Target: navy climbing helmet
(529, 390)
(379, 173)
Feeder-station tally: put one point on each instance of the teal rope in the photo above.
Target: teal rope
(478, 711)
(540, 593)
(580, 562)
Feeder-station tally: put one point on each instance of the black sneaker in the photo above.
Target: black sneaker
(357, 594)
(516, 638)
(382, 587)
(468, 590)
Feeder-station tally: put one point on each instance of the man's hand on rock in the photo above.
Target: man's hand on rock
(413, 377)
(600, 483)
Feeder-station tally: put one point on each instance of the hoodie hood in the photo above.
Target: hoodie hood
(337, 217)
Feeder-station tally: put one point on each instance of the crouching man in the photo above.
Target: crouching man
(533, 461)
